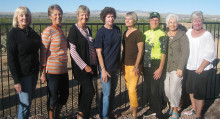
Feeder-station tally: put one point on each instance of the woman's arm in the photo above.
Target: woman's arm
(105, 74)
(45, 36)
(12, 61)
(139, 56)
(202, 66)
(78, 60)
(159, 71)
(12, 57)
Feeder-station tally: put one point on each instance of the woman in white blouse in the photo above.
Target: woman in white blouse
(199, 66)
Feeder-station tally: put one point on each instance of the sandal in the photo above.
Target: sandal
(170, 112)
(175, 117)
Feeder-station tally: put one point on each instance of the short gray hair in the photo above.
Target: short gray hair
(83, 8)
(133, 15)
(54, 7)
(171, 16)
(197, 14)
(19, 10)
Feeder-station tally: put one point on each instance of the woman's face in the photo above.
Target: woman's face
(83, 17)
(197, 23)
(129, 21)
(109, 19)
(56, 17)
(172, 24)
(23, 20)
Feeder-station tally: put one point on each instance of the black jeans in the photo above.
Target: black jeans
(58, 88)
(86, 94)
(154, 89)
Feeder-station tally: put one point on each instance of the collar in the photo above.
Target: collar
(56, 26)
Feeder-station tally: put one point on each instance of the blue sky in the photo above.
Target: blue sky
(211, 7)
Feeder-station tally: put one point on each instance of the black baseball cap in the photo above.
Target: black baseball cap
(154, 14)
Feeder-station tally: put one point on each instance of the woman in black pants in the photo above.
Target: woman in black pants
(84, 62)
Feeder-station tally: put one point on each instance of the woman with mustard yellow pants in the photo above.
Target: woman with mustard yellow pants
(132, 53)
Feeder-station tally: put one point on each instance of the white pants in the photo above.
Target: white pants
(173, 88)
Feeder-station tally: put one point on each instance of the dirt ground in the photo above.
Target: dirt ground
(9, 100)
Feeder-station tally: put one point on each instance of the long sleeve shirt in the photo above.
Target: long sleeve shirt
(22, 52)
(54, 50)
(74, 54)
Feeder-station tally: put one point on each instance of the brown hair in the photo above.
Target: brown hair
(105, 11)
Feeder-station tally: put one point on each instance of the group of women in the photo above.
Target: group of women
(193, 51)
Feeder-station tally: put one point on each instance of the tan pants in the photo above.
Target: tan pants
(173, 88)
(131, 82)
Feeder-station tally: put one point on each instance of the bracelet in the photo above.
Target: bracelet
(136, 67)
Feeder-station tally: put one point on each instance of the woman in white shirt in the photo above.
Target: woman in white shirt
(199, 65)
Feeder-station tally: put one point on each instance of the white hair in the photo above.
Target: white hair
(172, 16)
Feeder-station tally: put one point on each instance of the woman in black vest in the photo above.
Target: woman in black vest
(84, 60)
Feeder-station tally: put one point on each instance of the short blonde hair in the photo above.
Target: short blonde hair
(133, 15)
(197, 14)
(54, 7)
(172, 16)
(83, 8)
(19, 10)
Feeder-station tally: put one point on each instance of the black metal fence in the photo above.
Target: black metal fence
(9, 98)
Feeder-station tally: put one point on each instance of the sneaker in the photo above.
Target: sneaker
(148, 113)
(189, 112)
(160, 115)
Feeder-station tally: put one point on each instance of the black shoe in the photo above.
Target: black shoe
(148, 113)
(160, 115)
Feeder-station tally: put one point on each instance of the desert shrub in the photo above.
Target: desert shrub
(3, 43)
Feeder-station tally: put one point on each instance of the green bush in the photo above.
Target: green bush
(3, 43)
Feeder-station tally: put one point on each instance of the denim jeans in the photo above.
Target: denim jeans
(28, 85)
(108, 94)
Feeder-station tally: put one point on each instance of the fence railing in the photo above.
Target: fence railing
(9, 98)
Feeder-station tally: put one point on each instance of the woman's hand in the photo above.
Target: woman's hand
(199, 70)
(18, 87)
(157, 74)
(43, 78)
(105, 75)
(88, 69)
(136, 71)
(179, 73)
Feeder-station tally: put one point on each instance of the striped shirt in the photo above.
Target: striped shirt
(54, 50)
(78, 60)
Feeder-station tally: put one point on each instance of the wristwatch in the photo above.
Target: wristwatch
(102, 67)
